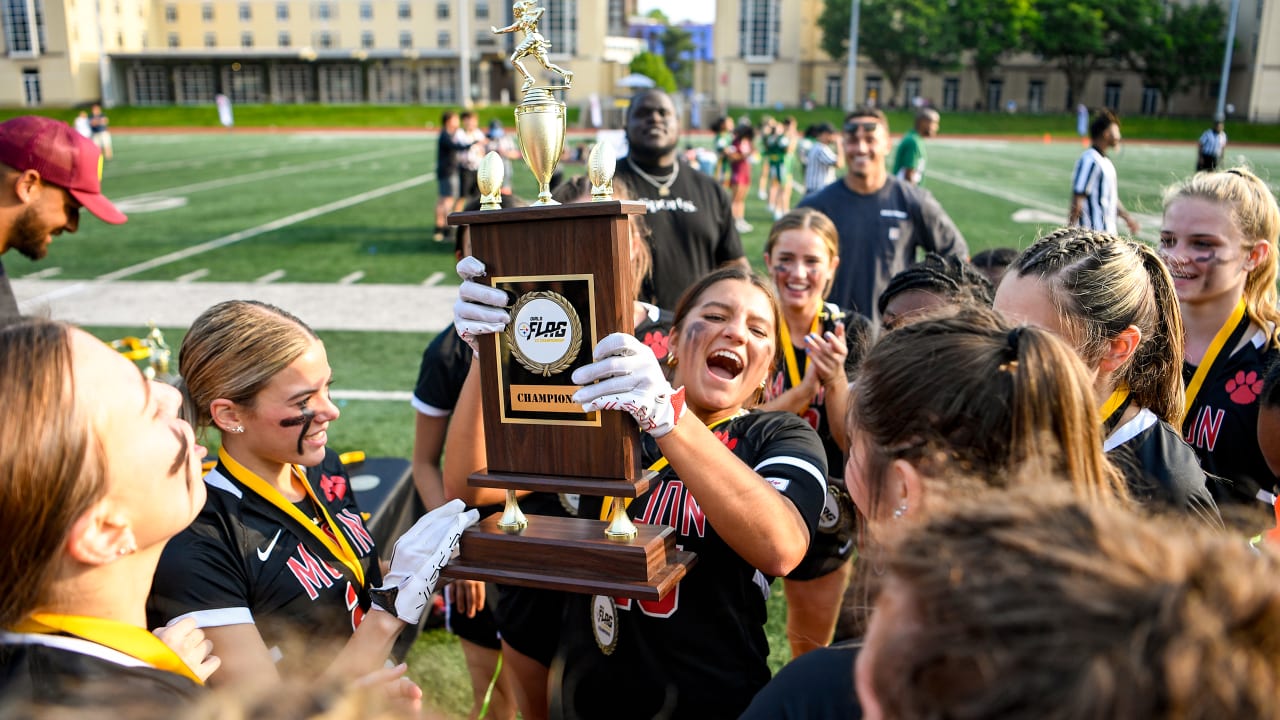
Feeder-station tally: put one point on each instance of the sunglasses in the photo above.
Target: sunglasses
(852, 127)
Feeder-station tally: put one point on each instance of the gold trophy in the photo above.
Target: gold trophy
(540, 118)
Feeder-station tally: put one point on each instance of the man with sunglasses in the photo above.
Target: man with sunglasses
(48, 172)
(884, 223)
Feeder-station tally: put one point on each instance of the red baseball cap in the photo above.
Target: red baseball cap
(62, 156)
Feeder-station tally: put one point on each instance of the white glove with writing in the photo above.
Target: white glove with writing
(417, 558)
(626, 376)
(479, 308)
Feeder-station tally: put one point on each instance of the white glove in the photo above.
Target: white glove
(417, 558)
(626, 376)
(479, 308)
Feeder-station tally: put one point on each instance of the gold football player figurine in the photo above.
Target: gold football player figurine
(526, 14)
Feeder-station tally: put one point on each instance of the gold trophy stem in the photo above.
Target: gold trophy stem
(620, 527)
(513, 521)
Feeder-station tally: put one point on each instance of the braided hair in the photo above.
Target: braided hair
(948, 277)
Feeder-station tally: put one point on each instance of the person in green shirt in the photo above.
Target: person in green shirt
(909, 160)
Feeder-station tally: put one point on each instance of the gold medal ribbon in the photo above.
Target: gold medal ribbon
(658, 466)
(1211, 355)
(122, 637)
(1119, 397)
(336, 544)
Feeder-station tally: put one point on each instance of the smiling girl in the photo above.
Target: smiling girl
(1217, 239)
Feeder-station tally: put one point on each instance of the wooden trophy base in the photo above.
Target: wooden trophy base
(604, 487)
(572, 555)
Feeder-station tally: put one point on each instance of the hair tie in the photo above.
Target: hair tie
(1013, 338)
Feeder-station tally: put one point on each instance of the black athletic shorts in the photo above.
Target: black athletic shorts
(481, 629)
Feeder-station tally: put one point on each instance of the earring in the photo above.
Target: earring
(126, 551)
(764, 383)
(236, 429)
(671, 360)
(900, 511)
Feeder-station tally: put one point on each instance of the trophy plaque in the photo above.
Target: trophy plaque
(566, 271)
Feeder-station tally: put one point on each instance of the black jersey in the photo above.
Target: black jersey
(444, 368)
(245, 560)
(1160, 469)
(1222, 426)
(692, 230)
(41, 671)
(700, 652)
(655, 330)
(833, 543)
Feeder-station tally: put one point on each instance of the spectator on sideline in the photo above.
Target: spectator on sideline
(1095, 202)
(449, 147)
(1213, 143)
(475, 140)
(909, 160)
(98, 128)
(691, 223)
(883, 222)
(47, 173)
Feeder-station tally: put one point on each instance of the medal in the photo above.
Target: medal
(604, 623)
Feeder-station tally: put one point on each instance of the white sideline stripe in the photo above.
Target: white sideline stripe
(42, 274)
(392, 395)
(1148, 221)
(192, 276)
(433, 279)
(270, 277)
(234, 238)
(352, 279)
(193, 162)
(262, 175)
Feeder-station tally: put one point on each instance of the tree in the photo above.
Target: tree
(989, 29)
(1177, 48)
(1080, 36)
(897, 35)
(659, 16)
(677, 51)
(652, 66)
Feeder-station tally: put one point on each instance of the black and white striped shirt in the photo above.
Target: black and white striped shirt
(1094, 177)
(1213, 143)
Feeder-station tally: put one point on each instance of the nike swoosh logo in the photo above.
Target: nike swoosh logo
(264, 554)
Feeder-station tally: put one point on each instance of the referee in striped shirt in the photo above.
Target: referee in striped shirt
(1213, 143)
(1095, 203)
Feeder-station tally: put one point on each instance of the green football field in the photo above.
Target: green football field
(358, 207)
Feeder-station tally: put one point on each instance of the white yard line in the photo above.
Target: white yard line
(393, 395)
(42, 274)
(263, 174)
(351, 279)
(270, 277)
(225, 240)
(433, 279)
(192, 276)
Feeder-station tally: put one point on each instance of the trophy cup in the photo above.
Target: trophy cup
(567, 268)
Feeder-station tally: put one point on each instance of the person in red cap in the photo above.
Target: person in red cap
(47, 173)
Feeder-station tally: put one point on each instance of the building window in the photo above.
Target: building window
(442, 11)
(324, 40)
(1150, 100)
(995, 93)
(834, 90)
(392, 85)
(322, 11)
(340, 84)
(402, 10)
(245, 84)
(442, 39)
(246, 39)
(439, 85)
(149, 85)
(19, 33)
(283, 39)
(911, 88)
(406, 40)
(482, 9)
(195, 84)
(172, 40)
(561, 26)
(366, 39)
(758, 28)
(617, 17)
(1035, 96)
(206, 12)
(282, 11)
(210, 40)
(171, 13)
(294, 83)
(1111, 95)
(757, 90)
(872, 96)
(246, 12)
(119, 40)
(950, 93)
(31, 86)
(366, 11)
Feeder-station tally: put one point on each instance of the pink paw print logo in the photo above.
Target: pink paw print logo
(1245, 387)
(657, 342)
(723, 435)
